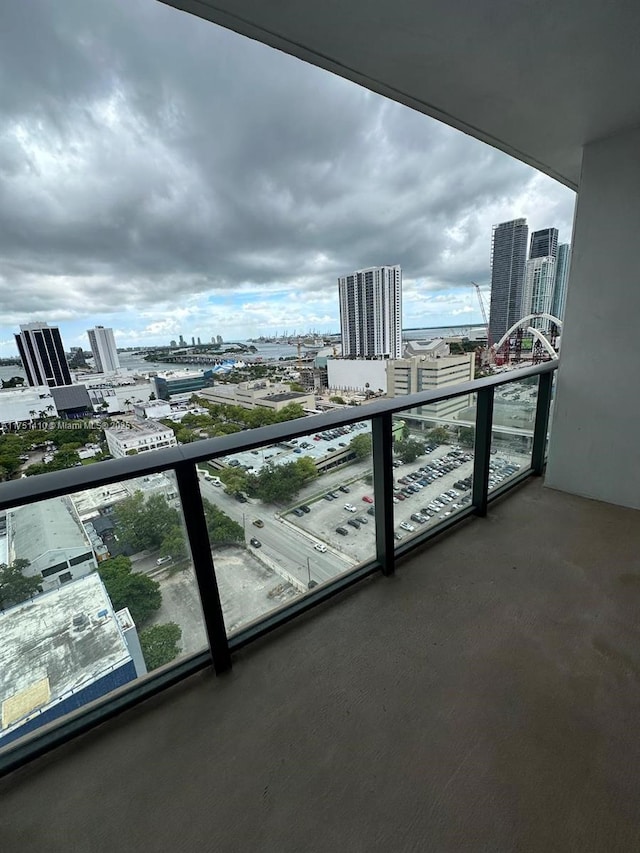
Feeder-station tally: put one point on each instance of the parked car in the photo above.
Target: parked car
(162, 560)
(350, 508)
(342, 531)
(353, 523)
(297, 512)
(406, 526)
(328, 496)
(367, 499)
(345, 489)
(305, 508)
(371, 510)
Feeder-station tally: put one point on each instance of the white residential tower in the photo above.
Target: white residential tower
(371, 312)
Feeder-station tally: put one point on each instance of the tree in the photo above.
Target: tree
(408, 450)
(361, 446)
(159, 644)
(144, 524)
(296, 386)
(125, 588)
(280, 483)
(13, 382)
(339, 400)
(174, 544)
(466, 436)
(15, 586)
(438, 435)
(222, 529)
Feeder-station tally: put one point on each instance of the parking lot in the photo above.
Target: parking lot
(426, 491)
(315, 445)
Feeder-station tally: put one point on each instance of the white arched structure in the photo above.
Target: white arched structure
(524, 321)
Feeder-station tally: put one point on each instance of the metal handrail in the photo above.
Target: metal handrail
(183, 461)
(56, 483)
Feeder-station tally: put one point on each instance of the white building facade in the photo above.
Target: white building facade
(103, 347)
(539, 283)
(357, 374)
(139, 438)
(19, 405)
(371, 312)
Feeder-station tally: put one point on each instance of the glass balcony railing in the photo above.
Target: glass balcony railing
(124, 577)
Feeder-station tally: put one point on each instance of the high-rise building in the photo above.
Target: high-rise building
(42, 354)
(371, 312)
(537, 294)
(508, 256)
(562, 274)
(544, 243)
(103, 347)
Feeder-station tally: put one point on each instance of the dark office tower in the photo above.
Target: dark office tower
(544, 244)
(508, 256)
(42, 355)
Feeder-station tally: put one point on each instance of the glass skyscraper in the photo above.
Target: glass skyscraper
(544, 244)
(562, 274)
(508, 256)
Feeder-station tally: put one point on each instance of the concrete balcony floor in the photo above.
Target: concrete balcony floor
(485, 698)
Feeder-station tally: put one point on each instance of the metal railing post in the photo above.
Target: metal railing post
(482, 450)
(382, 458)
(193, 510)
(539, 449)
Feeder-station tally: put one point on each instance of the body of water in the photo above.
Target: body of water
(267, 351)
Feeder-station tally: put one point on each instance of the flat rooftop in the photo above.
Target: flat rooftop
(45, 526)
(137, 429)
(43, 656)
(286, 395)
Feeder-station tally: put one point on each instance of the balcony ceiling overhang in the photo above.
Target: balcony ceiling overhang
(538, 79)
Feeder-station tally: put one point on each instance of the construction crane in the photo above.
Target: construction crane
(483, 311)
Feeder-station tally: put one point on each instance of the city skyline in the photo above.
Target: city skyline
(139, 199)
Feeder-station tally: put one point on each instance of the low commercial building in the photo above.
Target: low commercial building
(61, 650)
(262, 392)
(72, 400)
(174, 383)
(357, 374)
(139, 437)
(51, 537)
(428, 373)
(105, 399)
(23, 405)
(152, 409)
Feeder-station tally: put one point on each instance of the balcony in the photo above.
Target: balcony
(483, 697)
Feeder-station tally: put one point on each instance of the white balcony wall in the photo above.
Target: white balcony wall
(595, 446)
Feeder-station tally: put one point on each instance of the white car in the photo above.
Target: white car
(320, 547)
(162, 560)
(350, 508)
(406, 526)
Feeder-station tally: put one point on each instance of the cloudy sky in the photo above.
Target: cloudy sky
(161, 175)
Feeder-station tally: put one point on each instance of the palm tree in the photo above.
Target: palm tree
(33, 413)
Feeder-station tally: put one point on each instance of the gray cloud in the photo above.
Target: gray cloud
(145, 153)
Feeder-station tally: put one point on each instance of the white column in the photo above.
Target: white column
(595, 437)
